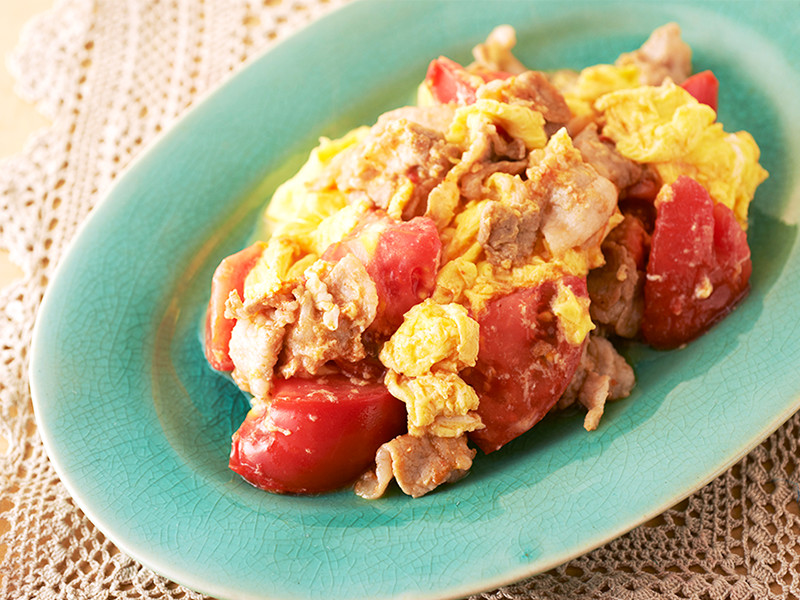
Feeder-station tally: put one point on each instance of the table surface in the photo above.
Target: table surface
(18, 119)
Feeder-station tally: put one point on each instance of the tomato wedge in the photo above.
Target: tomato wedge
(228, 276)
(694, 280)
(401, 258)
(449, 82)
(404, 270)
(315, 435)
(524, 363)
(704, 86)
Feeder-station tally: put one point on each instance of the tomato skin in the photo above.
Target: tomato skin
(315, 435)
(402, 263)
(449, 82)
(704, 86)
(524, 362)
(694, 280)
(404, 269)
(228, 276)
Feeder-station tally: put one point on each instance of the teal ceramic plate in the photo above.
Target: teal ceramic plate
(138, 427)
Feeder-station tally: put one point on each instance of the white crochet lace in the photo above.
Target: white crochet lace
(111, 74)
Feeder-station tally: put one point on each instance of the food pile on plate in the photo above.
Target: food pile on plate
(441, 280)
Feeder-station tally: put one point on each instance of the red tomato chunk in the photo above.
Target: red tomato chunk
(699, 266)
(315, 435)
(524, 362)
(704, 87)
(449, 82)
(228, 276)
(404, 269)
(402, 264)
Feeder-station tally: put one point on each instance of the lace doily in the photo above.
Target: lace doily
(110, 75)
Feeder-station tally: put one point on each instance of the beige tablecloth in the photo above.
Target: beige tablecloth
(110, 75)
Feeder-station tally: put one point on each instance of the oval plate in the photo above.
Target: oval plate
(139, 428)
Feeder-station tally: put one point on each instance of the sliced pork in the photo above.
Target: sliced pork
(603, 375)
(418, 464)
(663, 55)
(396, 166)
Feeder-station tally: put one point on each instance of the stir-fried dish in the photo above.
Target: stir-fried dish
(438, 282)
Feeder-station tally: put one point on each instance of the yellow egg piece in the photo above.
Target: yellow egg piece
(666, 127)
(582, 89)
(573, 314)
(297, 206)
(440, 404)
(432, 336)
(283, 260)
(518, 120)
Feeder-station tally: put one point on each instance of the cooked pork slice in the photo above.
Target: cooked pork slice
(576, 200)
(507, 233)
(603, 359)
(337, 303)
(593, 395)
(663, 55)
(602, 375)
(616, 289)
(472, 182)
(489, 153)
(418, 464)
(495, 53)
(509, 227)
(534, 90)
(399, 161)
(257, 339)
(436, 117)
(603, 156)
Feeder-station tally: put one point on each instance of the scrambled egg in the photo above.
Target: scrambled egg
(433, 336)
(280, 262)
(519, 121)
(666, 127)
(661, 126)
(424, 356)
(440, 404)
(309, 214)
(573, 313)
(582, 89)
(304, 220)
